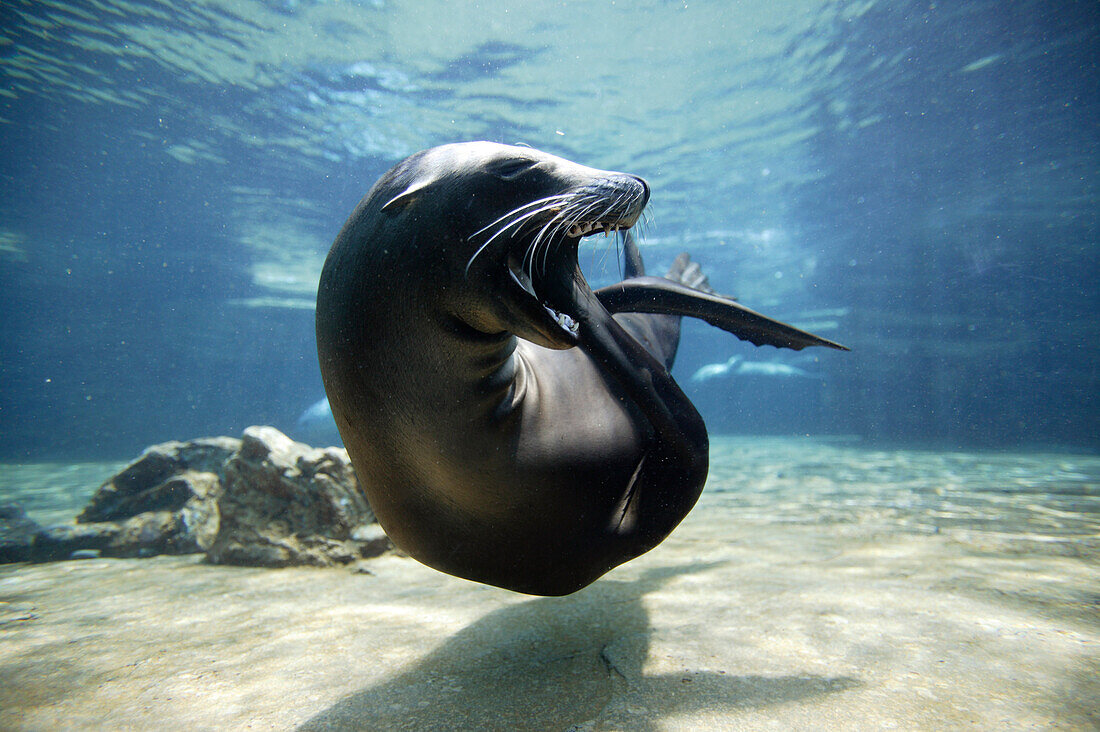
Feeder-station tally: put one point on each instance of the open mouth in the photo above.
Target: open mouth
(541, 237)
(522, 277)
(545, 269)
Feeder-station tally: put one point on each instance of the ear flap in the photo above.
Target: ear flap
(404, 198)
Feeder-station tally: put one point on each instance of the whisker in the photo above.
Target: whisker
(555, 197)
(529, 258)
(553, 226)
(521, 218)
(519, 221)
(620, 246)
(568, 211)
(581, 213)
(559, 228)
(611, 206)
(570, 216)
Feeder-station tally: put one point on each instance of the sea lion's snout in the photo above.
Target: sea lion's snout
(612, 202)
(645, 189)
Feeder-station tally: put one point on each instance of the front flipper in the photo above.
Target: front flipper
(674, 454)
(662, 296)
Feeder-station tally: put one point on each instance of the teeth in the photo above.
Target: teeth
(584, 229)
(566, 322)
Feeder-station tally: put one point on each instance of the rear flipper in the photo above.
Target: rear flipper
(683, 270)
(687, 272)
(664, 296)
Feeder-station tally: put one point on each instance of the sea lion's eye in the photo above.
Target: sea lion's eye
(511, 168)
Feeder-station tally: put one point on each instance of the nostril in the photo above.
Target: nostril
(645, 189)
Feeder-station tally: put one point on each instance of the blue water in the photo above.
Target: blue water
(916, 180)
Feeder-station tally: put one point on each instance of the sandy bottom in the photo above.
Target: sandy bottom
(816, 586)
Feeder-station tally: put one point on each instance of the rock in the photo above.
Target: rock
(372, 541)
(61, 542)
(147, 483)
(165, 502)
(17, 532)
(262, 500)
(187, 523)
(286, 503)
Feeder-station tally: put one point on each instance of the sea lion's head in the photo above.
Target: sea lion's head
(507, 222)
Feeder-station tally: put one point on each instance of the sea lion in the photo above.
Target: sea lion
(506, 428)
(738, 366)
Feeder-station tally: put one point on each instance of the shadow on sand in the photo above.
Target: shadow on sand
(558, 663)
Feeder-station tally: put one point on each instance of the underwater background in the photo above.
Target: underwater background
(917, 180)
(904, 536)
